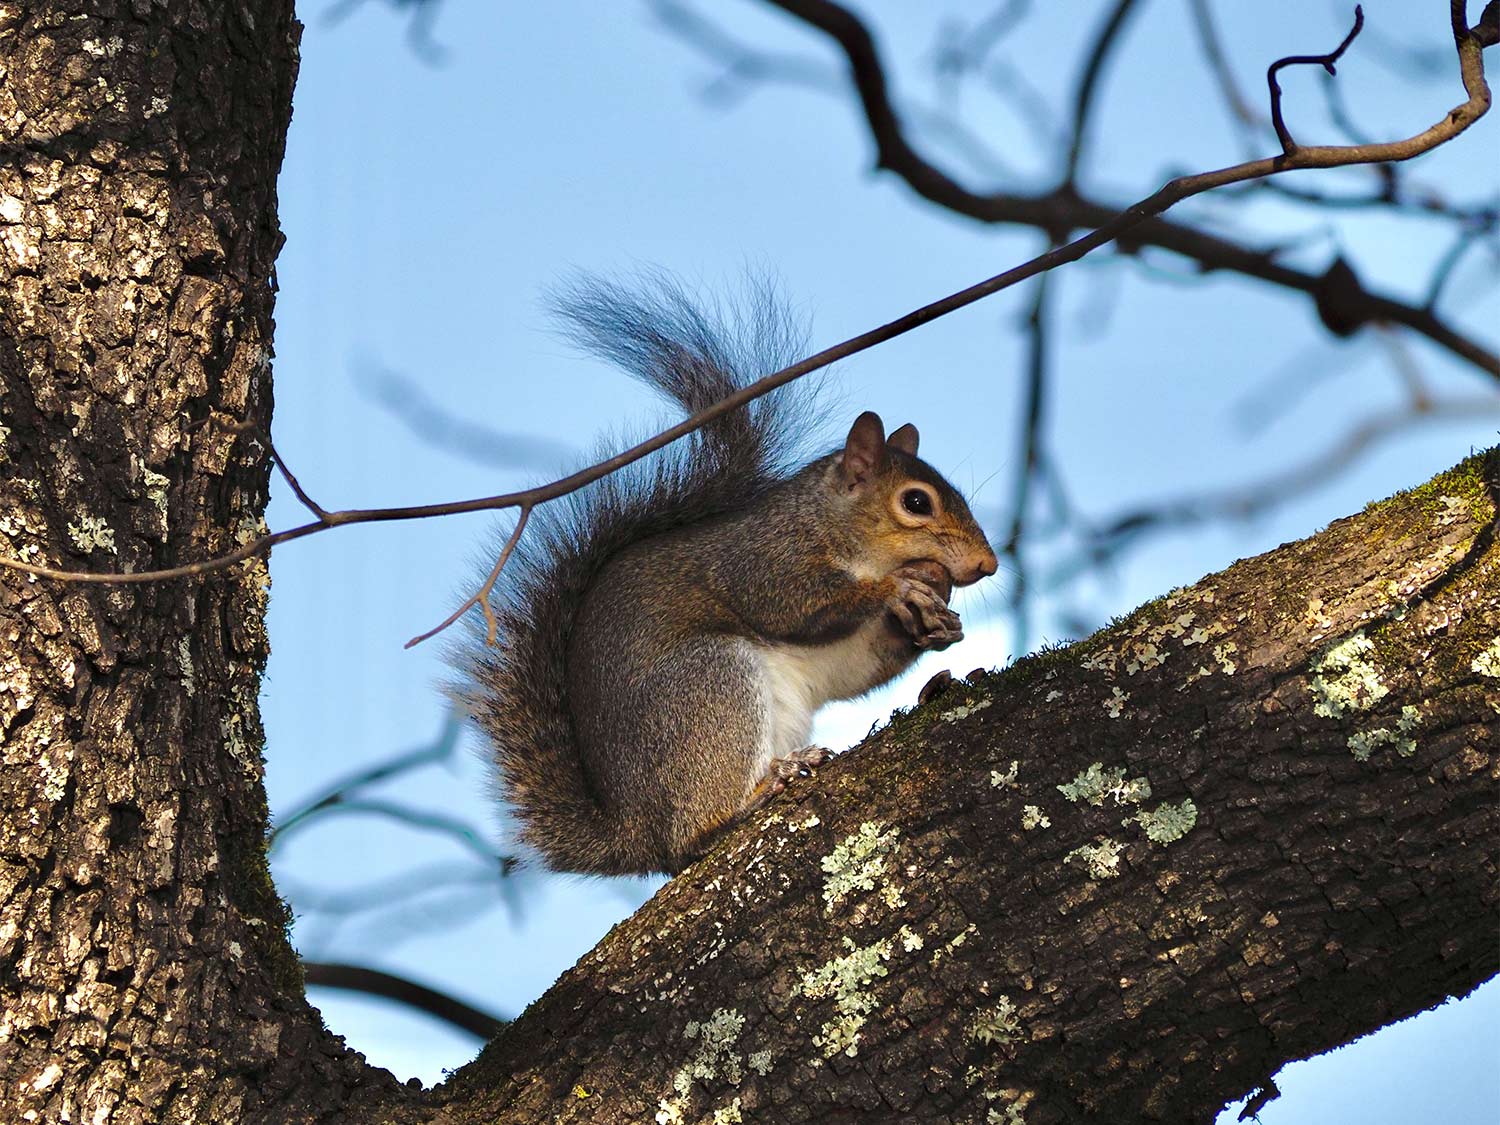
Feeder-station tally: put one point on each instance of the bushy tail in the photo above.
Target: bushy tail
(516, 689)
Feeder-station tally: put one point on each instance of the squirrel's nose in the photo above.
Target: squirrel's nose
(976, 567)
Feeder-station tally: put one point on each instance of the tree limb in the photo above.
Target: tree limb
(1122, 881)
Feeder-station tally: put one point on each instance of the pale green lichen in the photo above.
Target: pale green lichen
(1454, 508)
(91, 533)
(998, 1023)
(1222, 653)
(947, 948)
(1168, 823)
(714, 1058)
(156, 489)
(1006, 780)
(1011, 1110)
(760, 1062)
(1364, 743)
(1115, 704)
(1145, 655)
(847, 980)
(858, 862)
(54, 772)
(236, 727)
(964, 710)
(185, 664)
(1102, 661)
(728, 1115)
(1102, 857)
(1096, 783)
(1487, 663)
(1033, 817)
(1344, 679)
(910, 941)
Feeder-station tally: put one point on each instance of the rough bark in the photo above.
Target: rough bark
(1123, 881)
(145, 974)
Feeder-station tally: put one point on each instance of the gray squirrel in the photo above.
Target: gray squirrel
(666, 635)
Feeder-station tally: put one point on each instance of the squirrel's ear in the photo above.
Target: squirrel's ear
(905, 439)
(864, 449)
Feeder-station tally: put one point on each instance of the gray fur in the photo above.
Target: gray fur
(667, 633)
(517, 689)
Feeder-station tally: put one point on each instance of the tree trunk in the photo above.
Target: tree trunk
(1126, 880)
(981, 915)
(145, 973)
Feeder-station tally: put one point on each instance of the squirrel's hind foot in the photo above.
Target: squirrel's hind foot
(783, 769)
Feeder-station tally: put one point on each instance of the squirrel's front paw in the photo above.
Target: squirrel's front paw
(931, 574)
(923, 614)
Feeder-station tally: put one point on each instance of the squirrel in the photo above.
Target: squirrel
(666, 635)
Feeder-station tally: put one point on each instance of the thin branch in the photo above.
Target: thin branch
(307, 501)
(425, 820)
(441, 749)
(1038, 322)
(1248, 501)
(1390, 193)
(1463, 242)
(1104, 43)
(1354, 303)
(394, 890)
(1208, 38)
(410, 405)
(1061, 212)
(1327, 62)
(960, 51)
(481, 596)
(374, 982)
(741, 63)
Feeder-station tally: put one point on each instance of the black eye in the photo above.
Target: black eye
(917, 502)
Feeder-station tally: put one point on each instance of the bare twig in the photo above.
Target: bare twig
(1032, 465)
(742, 64)
(393, 890)
(961, 50)
(1289, 146)
(1240, 107)
(1465, 240)
(441, 749)
(1248, 501)
(307, 501)
(374, 982)
(459, 831)
(1060, 212)
(481, 596)
(410, 405)
(1104, 44)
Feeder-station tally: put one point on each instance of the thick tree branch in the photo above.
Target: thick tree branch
(1124, 881)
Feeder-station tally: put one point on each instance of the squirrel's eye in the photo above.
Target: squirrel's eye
(917, 502)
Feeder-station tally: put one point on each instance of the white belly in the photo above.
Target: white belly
(796, 680)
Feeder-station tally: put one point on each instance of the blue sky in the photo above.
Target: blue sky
(428, 209)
